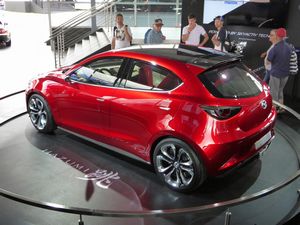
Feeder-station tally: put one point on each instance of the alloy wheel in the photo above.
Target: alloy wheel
(38, 113)
(175, 164)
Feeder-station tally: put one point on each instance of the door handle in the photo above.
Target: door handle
(100, 99)
(164, 108)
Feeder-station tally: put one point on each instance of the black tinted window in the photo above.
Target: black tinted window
(231, 81)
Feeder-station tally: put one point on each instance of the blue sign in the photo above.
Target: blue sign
(231, 2)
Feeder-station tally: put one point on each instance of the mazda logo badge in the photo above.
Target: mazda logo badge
(263, 104)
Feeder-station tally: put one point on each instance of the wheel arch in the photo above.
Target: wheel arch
(29, 94)
(199, 152)
(155, 143)
(197, 167)
(52, 109)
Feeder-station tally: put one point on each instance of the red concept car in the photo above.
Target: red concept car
(190, 112)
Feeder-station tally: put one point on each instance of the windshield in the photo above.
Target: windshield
(231, 81)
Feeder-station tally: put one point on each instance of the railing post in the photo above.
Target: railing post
(80, 222)
(60, 47)
(57, 60)
(106, 13)
(105, 16)
(53, 48)
(62, 44)
(109, 28)
(135, 13)
(59, 50)
(227, 218)
(176, 16)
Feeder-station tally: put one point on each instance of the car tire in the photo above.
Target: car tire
(40, 114)
(8, 44)
(178, 165)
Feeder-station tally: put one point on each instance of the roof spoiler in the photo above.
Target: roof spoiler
(203, 51)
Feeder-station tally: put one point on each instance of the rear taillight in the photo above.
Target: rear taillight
(2, 31)
(221, 112)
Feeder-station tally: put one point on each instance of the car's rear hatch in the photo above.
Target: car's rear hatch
(256, 113)
(239, 87)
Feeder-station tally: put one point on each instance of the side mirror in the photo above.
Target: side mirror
(5, 24)
(68, 79)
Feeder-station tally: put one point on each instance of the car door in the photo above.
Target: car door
(142, 106)
(85, 106)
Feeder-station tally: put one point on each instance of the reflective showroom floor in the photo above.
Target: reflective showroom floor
(64, 169)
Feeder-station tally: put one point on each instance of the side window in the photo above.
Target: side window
(150, 77)
(100, 72)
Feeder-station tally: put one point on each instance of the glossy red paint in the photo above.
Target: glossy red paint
(135, 120)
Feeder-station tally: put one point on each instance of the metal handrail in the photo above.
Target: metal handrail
(148, 213)
(88, 14)
(83, 13)
(293, 112)
(12, 94)
(58, 37)
(70, 20)
(76, 39)
(15, 116)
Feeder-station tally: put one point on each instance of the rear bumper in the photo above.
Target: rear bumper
(243, 156)
(227, 156)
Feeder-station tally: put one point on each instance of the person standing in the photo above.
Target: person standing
(192, 32)
(268, 65)
(279, 56)
(122, 35)
(155, 35)
(219, 38)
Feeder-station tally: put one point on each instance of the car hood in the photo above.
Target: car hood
(60, 72)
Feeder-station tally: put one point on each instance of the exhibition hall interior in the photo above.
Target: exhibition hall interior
(149, 112)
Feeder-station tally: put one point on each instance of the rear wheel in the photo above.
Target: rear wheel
(8, 43)
(178, 165)
(40, 114)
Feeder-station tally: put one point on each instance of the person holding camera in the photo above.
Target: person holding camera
(220, 37)
(122, 35)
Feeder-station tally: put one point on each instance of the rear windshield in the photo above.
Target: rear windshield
(231, 81)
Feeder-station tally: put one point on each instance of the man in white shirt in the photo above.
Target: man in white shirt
(122, 34)
(192, 32)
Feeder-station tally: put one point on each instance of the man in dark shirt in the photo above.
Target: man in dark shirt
(155, 35)
(220, 37)
(279, 56)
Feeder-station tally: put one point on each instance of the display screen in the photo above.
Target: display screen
(254, 13)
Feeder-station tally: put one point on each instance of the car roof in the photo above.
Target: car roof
(203, 57)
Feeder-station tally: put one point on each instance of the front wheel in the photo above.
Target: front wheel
(178, 165)
(40, 114)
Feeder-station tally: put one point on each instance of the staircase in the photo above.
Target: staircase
(94, 43)
(76, 39)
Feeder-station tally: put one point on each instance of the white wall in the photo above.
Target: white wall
(218, 8)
